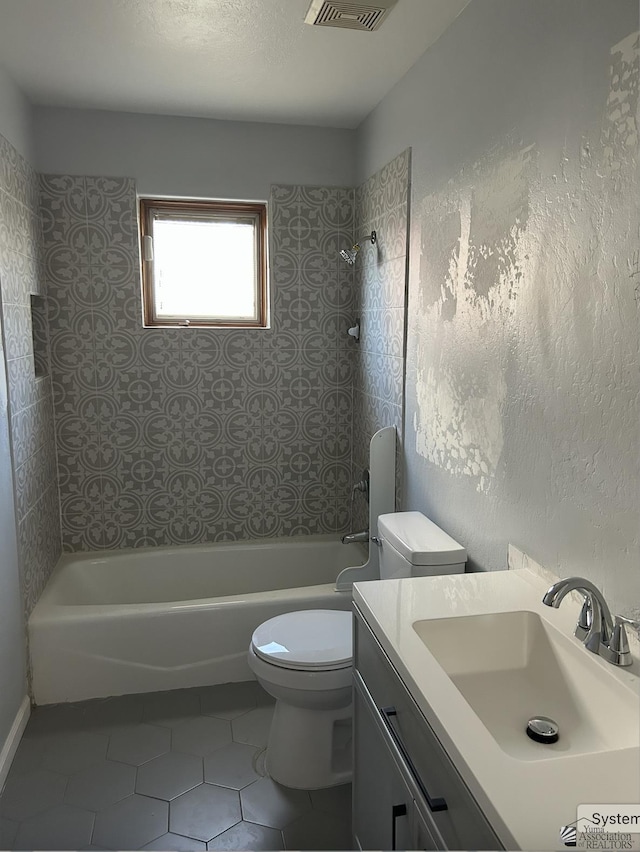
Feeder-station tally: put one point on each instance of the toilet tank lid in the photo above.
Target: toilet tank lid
(419, 540)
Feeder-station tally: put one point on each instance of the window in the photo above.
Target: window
(204, 263)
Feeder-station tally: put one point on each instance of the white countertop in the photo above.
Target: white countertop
(526, 801)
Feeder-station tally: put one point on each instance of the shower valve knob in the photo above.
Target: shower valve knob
(354, 331)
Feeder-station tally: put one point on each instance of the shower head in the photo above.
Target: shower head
(350, 254)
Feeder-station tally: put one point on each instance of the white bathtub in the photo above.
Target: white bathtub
(164, 618)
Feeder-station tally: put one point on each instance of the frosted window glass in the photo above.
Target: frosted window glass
(205, 269)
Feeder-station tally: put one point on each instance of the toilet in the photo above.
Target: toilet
(304, 660)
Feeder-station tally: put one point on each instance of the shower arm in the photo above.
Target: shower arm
(372, 237)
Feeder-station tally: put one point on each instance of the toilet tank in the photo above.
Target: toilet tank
(413, 546)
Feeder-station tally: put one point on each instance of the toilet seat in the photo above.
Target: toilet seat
(307, 640)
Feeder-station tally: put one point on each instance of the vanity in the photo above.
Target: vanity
(448, 671)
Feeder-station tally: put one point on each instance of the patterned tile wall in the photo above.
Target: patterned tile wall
(30, 398)
(381, 204)
(172, 436)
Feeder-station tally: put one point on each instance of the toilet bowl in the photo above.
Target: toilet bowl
(304, 660)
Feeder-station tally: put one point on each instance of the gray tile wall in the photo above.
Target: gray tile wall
(381, 204)
(30, 398)
(191, 435)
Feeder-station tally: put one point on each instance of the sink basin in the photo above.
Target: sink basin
(511, 666)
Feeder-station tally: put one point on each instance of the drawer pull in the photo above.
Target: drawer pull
(436, 803)
(396, 811)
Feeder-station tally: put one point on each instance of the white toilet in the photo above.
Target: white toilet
(304, 660)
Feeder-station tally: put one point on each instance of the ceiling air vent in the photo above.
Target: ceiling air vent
(350, 16)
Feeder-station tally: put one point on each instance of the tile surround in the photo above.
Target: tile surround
(30, 398)
(381, 204)
(170, 436)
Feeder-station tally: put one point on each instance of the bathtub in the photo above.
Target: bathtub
(165, 618)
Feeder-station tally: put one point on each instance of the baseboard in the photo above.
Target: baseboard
(13, 739)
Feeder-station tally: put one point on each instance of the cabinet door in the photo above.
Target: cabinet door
(423, 836)
(382, 803)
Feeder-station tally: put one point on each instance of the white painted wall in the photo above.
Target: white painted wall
(13, 679)
(15, 116)
(192, 156)
(523, 383)
(14, 125)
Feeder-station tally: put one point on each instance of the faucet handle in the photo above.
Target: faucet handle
(616, 649)
(585, 619)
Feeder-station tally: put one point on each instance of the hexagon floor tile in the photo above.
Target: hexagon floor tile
(205, 812)
(107, 715)
(176, 843)
(201, 736)
(247, 835)
(232, 766)
(270, 804)
(253, 727)
(132, 768)
(169, 708)
(169, 776)
(101, 785)
(229, 700)
(74, 752)
(62, 827)
(137, 744)
(131, 823)
(28, 795)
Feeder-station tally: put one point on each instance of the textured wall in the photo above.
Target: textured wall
(523, 391)
(186, 435)
(203, 158)
(30, 398)
(381, 205)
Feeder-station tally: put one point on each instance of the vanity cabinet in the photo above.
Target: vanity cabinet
(407, 794)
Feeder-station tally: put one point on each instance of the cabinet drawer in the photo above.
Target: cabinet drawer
(461, 823)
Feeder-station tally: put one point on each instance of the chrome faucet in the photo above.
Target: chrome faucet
(596, 626)
(353, 538)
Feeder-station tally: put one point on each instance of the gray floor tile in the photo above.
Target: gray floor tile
(108, 715)
(170, 708)
(267, 803)
(131, 823)
(62, 827)
(262, 697)
(176, 843)
(247, 835)
(101, 785)
(71, 753)
(317, 830)
(253, 727)
(138, 744)
(333, 800)
(71, 740)
(8, 831)
(204, 812)
(232, 766)
(28, 757)
(54, 719)
(169, 776)
(229, 700)
(28, 795)
(201, 736)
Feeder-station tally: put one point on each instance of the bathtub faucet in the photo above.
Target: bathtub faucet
(353, 538)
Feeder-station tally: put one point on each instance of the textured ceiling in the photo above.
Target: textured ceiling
(252, 60)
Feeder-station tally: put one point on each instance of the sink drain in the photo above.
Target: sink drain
(542, 729)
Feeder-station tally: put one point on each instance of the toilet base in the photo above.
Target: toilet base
(309, 749)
